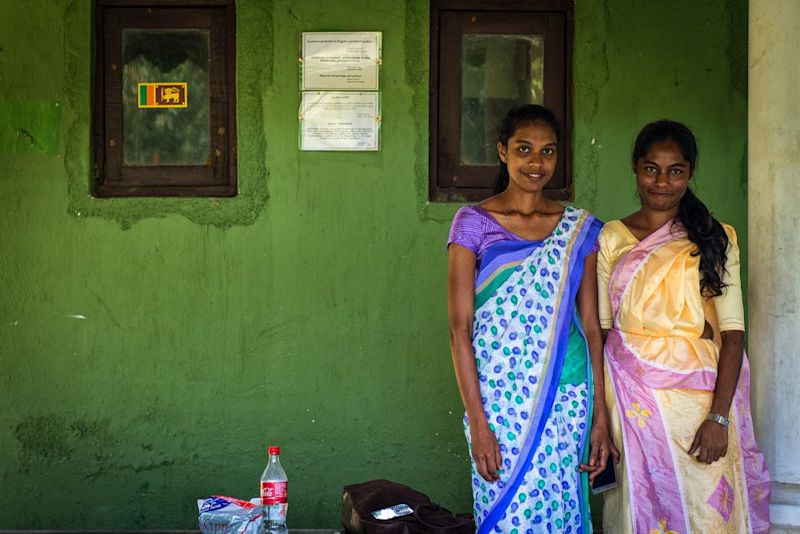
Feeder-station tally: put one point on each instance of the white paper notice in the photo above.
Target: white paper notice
(339, 120)
(341, 60)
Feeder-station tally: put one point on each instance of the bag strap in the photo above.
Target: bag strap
(461, 520)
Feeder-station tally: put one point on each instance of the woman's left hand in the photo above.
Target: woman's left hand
(601, 447)
(710, 443)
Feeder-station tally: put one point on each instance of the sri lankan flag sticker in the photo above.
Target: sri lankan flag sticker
(162, 95)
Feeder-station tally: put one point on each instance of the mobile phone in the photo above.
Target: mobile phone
(606, 480)
(398, 510)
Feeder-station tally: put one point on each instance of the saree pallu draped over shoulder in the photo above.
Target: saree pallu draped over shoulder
(662, 376)
(525, 327)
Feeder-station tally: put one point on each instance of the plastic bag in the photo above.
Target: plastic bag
(226, 515)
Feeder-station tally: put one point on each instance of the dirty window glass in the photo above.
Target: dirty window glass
(174, 135)
(497, 72)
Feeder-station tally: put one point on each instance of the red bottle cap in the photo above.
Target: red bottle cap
(274, 450)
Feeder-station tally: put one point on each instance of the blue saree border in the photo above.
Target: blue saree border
(583, 454)
(503, 253)
(587, 235)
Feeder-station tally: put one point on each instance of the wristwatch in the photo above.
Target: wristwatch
(717, 418)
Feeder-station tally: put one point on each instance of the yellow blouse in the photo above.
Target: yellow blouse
(616, 240)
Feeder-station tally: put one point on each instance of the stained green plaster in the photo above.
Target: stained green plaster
(29, 127)
(152, 348)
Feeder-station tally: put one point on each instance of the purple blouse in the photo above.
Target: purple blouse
(475, 229)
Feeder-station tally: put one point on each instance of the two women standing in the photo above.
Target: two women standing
(524, 281)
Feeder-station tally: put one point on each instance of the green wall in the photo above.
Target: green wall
(151, 349)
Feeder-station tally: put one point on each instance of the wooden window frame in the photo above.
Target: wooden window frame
(218, 177)
(449, 181)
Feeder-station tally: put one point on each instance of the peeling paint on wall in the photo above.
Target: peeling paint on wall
(42, 438)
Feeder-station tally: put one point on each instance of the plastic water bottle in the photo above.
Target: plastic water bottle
(273, 494)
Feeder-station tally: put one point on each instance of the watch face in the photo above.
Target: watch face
(718, 419)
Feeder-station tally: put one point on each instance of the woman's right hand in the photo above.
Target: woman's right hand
(485, 450)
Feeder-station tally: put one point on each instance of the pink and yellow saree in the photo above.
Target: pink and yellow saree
(660, 381)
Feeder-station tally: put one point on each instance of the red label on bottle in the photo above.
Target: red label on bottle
(273, 493)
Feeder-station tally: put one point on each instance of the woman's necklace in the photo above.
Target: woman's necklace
(510, 221)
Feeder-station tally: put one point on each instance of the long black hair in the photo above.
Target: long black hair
(518, 117)
(704, 230)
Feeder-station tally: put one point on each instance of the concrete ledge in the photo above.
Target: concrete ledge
(784, 508)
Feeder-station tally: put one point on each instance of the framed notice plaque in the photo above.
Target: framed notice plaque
(340, 61)
(340, 120)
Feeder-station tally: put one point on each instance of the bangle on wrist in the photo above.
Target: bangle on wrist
(717, 418)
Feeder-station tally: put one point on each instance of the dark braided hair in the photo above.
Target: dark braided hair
(516, 118)
(704, 230)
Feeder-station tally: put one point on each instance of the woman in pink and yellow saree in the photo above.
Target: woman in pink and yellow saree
(677, 381)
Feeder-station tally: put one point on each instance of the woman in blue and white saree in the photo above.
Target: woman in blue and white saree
(526, 342)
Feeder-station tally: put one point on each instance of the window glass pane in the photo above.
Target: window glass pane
(170, 136)
(497, 72)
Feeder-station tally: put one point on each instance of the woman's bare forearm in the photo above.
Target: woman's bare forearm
(587, 306)
(730, 364)
(460, 310)
(466, 374)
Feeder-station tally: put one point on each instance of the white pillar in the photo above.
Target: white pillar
(774, 246)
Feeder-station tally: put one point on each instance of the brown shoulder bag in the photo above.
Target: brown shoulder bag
(359, 501)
